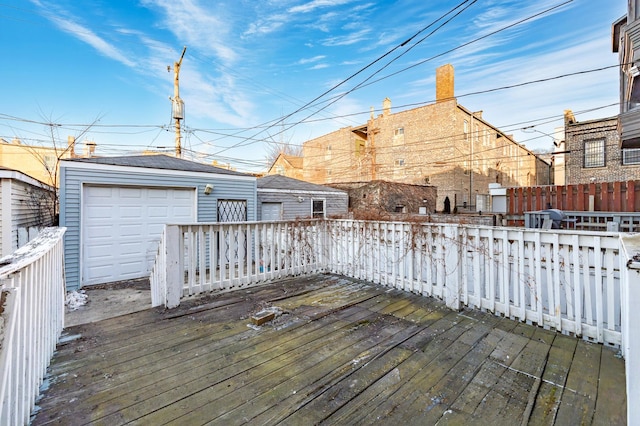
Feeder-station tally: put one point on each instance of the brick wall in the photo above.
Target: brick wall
(441, 144)
(576, 134)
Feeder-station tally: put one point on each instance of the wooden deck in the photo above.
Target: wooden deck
(342, 352)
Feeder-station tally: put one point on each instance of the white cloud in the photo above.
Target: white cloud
(347, 39)
(68, 24)
(197, 26)
(305, 61)
(315, 4)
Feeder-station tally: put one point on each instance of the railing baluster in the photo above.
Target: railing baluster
(33, 313)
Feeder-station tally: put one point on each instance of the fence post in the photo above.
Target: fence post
(175, 279)
(452, 263)
(630, 282)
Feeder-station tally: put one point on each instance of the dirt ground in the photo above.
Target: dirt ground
(110, 300)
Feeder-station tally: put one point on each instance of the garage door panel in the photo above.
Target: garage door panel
(130, 212)
(158, 193)
(99, 212)
(134, 230)
(180, 212)
(122, 226)
(100, 192)
(181, 195)
(100, 231)
(158, 212)
(127, 248)
(131, 193)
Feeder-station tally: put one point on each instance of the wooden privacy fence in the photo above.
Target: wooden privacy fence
(33, 284)
(601, 196)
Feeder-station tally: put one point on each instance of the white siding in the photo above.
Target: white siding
(24, 205)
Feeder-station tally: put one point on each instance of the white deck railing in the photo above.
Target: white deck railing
(630, 326)
(565, 280)
(577, 282)
(198, 258)
(33, 282)
(568, 281)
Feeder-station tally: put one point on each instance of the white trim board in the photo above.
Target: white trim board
(150, 170)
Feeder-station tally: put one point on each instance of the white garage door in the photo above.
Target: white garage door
(121, 228)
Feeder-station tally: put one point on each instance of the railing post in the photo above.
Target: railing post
(630, 245)
(452, 263)
(175, 279)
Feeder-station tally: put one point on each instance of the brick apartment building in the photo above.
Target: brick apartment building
(594, 153)
(441, 144)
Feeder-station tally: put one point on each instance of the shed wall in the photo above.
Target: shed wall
(335, 204)
(27, 206)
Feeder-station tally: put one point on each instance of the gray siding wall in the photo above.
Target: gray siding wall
(28, 208)
(73, 179)
(335, 204)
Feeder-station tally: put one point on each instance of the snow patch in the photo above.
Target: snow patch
(75, 299)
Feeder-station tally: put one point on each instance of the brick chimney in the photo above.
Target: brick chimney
(386, 107)
(71, 145)
(569, 118)
(89, 148)
(444, 83)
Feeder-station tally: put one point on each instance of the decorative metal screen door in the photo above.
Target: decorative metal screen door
(233, 211)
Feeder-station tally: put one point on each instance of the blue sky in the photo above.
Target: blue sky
(248, 64)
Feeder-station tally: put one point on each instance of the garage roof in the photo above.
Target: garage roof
(157, 162)
(280, 182)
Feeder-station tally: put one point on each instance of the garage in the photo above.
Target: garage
(115, 209)
(121, 227)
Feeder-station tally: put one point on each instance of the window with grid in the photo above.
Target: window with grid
(631, 156)
(594, 153)
(318, 209)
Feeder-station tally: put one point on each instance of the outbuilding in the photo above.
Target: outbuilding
(26, 205)
(115, 209)
(285, 198)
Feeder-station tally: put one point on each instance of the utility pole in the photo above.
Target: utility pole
(177, 105)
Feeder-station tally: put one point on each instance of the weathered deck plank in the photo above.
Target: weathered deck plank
(342, 352)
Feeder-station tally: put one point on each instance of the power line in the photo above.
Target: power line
(370, 64)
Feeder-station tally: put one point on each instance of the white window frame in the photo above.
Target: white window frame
(324, 208)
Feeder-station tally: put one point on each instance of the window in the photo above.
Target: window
(327, 153)
(50, 162)
(399, 162)
(631, 156)
(399, 131)
(466, 127)
(594, 153)
(318, 209)
(280, 169)
(360, 148)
